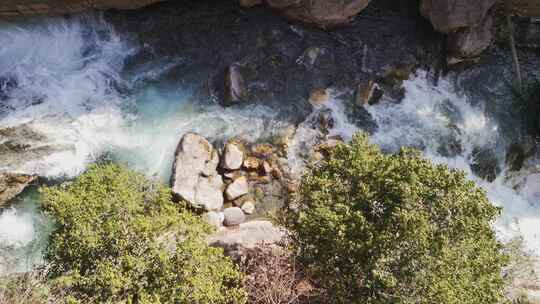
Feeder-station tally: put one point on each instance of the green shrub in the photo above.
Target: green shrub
(377, 228)
(119, 238)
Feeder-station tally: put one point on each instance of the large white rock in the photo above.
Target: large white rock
(237, 188)
(233, 157)
(195, 178)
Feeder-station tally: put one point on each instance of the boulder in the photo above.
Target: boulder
(233, 216)
(237, 188)
(448, 16)
(12, 184)
(472, 41)
(195, 178)
(235, 86)
(246, 236)
(319, 12)
(233, 157)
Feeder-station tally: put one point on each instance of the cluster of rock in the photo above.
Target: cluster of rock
(467, 24)
(223, 185)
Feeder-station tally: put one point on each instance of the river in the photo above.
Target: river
(67, 100)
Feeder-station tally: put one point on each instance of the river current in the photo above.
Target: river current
(66, 97)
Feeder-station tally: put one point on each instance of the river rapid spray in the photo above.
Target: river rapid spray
(67, 101)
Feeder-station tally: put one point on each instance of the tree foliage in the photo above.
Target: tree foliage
(377, 228)
(120, 238)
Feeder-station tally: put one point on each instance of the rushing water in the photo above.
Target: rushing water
(66, 99)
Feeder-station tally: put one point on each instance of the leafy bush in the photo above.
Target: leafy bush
(378, 228)
(119, 238)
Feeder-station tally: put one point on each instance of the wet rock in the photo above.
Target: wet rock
(319, 12)
(248, 207)
(246, 236)
(12, 184)
(368, 94)
(215, 219)
(235, 86)
(472, 41)
(7, 84)
(362, 118)
(515, 157)
(195, 178)
(233, 216)
(449, 16)
(319, 97)
(485, 164)
(237, 188)
(233, 156)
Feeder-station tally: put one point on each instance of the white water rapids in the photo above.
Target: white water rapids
(64, 100)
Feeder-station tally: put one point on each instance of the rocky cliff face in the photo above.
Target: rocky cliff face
(319, 12)
(17, 8)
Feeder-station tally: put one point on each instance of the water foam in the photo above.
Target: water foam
(430, 117)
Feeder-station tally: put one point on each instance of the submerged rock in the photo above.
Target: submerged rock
(12, 184)
(485, 164)
(235, 86)
(515, 157)
(195, 178)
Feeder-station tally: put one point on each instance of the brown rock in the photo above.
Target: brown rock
(252, 163)
(263, 150)
(12, 184)
(319, 12)
(319, 97)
